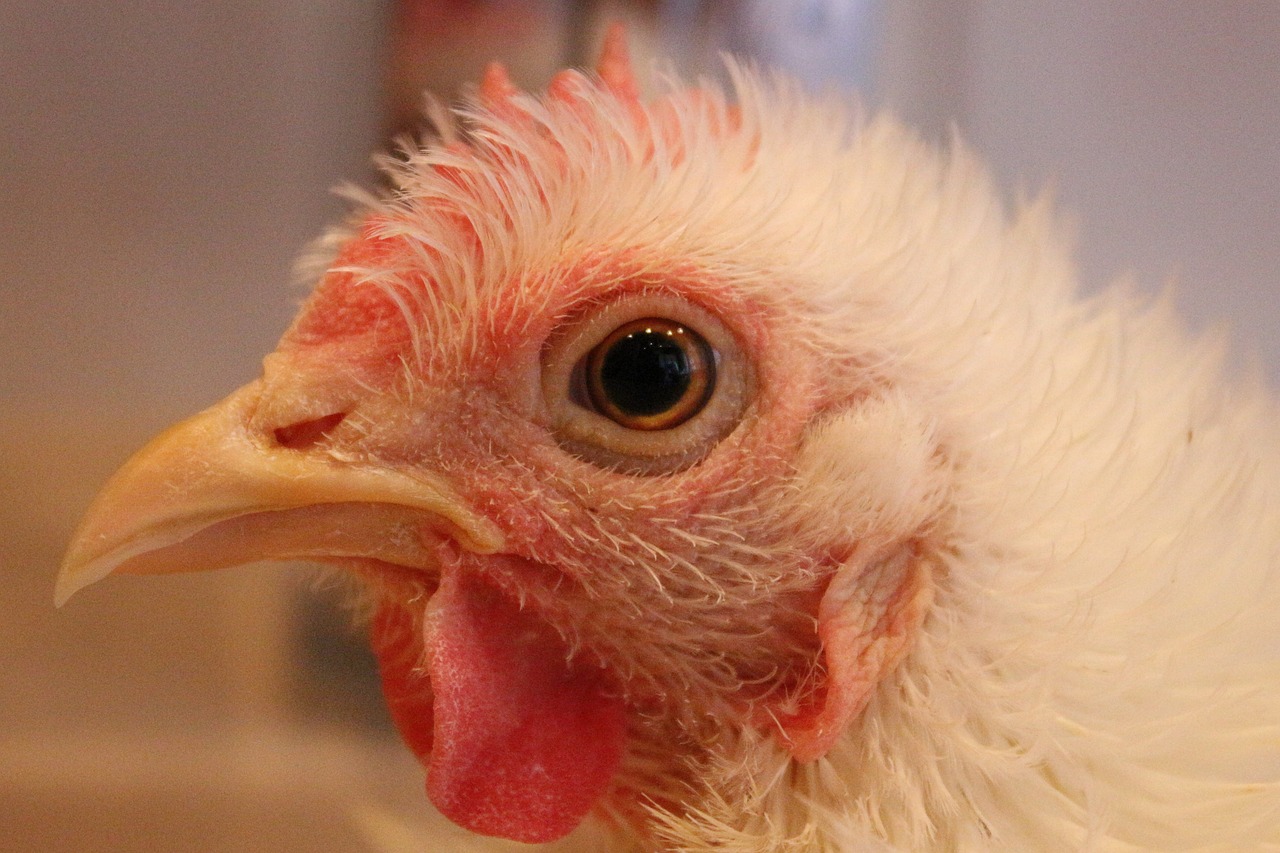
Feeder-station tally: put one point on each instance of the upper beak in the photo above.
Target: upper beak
(215, 491)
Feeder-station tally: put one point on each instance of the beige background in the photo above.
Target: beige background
(162, 162)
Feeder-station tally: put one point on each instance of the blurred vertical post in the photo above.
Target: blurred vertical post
(443, 46)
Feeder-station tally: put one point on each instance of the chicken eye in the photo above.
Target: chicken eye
(645, 385)
(650, 374)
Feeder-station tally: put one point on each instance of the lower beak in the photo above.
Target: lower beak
(213, 492)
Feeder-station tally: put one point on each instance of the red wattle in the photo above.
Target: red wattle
(518, 743)
(397, 643)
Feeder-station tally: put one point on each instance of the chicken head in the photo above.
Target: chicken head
(566, 423)
(739, 475)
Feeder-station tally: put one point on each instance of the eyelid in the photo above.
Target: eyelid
(594, 437)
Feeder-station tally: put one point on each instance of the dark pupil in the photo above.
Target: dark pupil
(645, 373)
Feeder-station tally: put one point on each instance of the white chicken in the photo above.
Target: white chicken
(741, 477)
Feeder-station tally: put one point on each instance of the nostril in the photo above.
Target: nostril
(304, 434)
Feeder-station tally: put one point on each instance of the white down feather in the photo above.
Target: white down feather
(1101, 667)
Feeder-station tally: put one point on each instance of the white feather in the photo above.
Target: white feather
(1101, 667)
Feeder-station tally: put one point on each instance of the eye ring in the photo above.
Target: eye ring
(655, 433)
(650, 374)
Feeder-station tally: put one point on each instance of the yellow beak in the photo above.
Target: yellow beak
(212, 492)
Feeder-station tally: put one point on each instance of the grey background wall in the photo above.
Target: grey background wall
(161, 163)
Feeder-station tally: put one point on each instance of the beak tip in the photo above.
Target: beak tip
(63, 589)
(75, 575)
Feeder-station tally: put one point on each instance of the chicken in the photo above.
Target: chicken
(739, 476)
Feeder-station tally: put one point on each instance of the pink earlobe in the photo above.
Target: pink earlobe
(867, 620)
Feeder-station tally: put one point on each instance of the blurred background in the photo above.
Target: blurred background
(163, 162)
